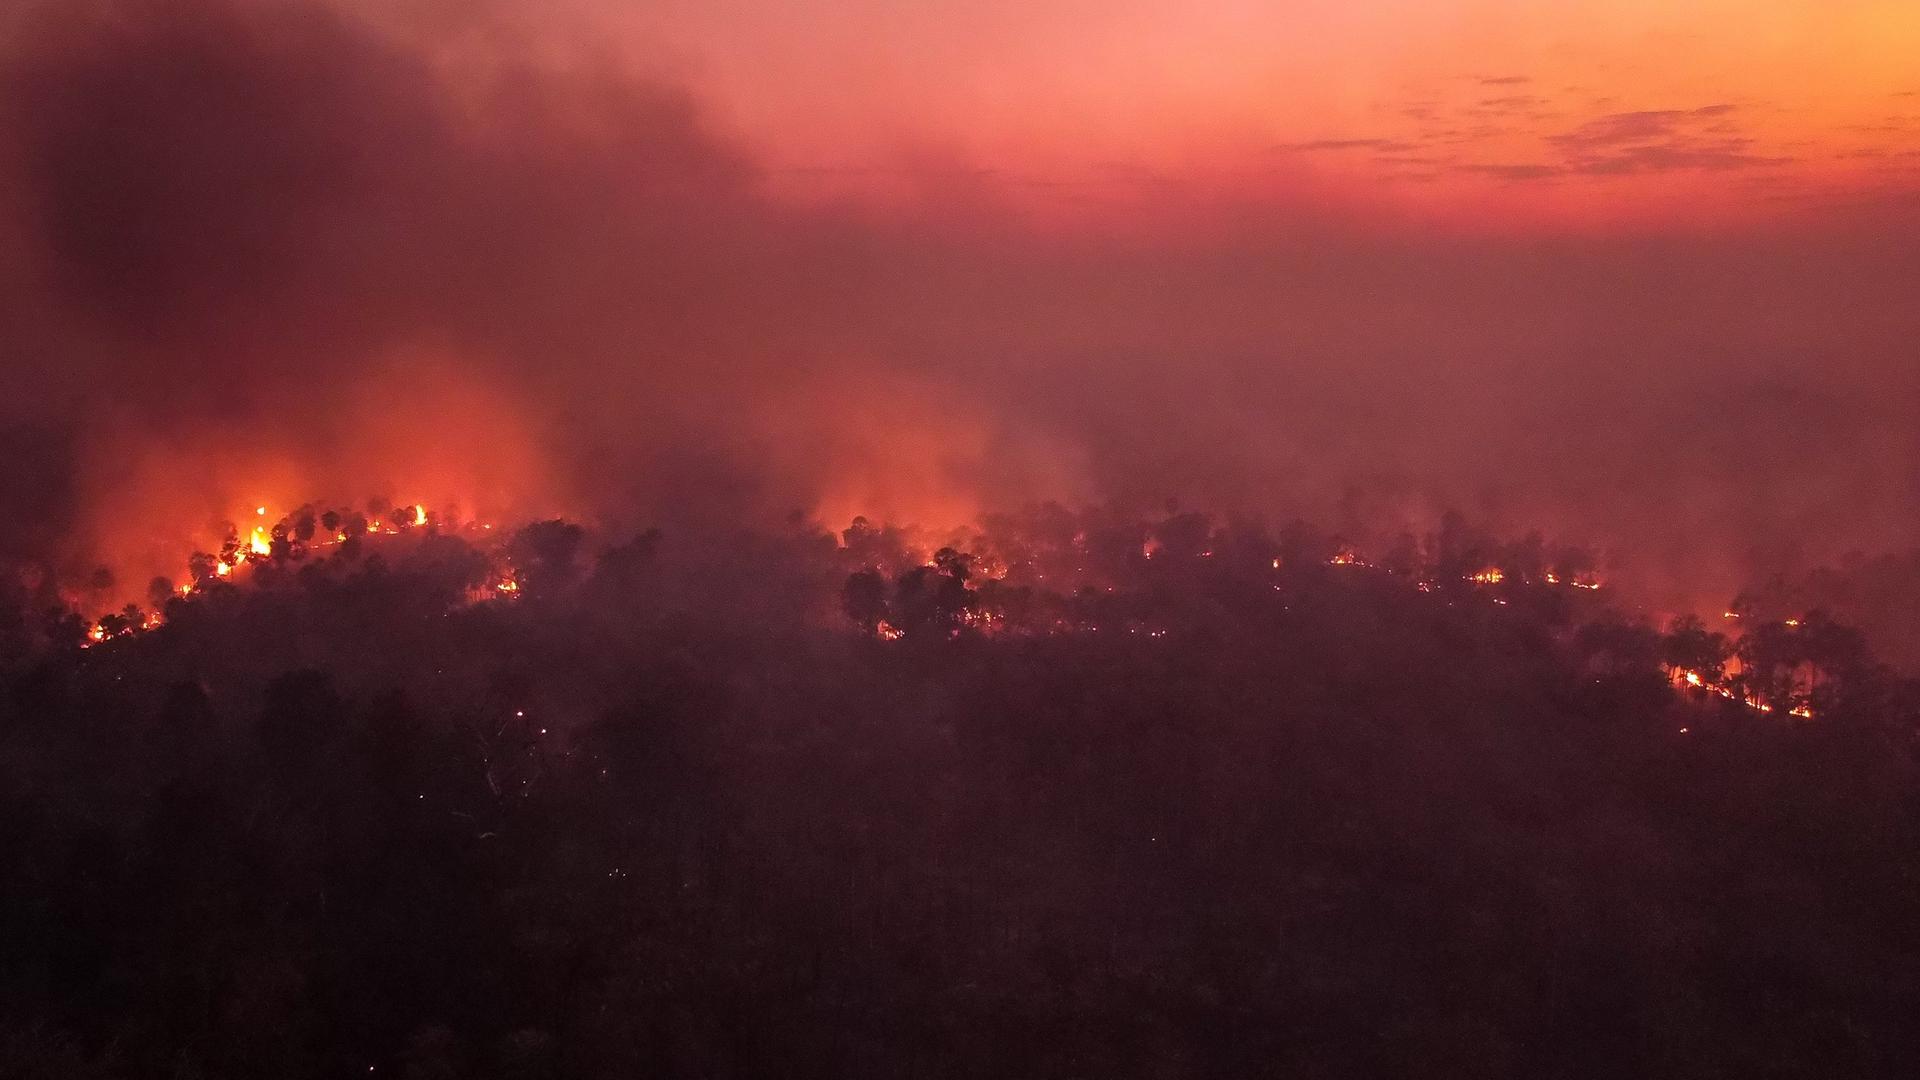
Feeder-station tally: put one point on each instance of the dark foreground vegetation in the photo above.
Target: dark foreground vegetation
(1114, 799)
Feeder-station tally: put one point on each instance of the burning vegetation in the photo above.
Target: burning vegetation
(309, 540)
(1001, 589)
(1051, 572)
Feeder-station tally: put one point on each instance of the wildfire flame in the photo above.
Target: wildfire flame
(258, 544)
(1694, 680)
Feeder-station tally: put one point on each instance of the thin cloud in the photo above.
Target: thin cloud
(1518, 171)
(1661, 140)
(1319, 145)
(1513, 102)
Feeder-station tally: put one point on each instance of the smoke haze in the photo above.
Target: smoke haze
(293, 250)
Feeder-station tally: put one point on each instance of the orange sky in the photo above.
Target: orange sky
(1555, 105)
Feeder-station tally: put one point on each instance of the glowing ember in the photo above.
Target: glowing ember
(981, 620)
(1492, 575)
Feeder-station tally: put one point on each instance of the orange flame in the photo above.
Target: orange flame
(1683, 677)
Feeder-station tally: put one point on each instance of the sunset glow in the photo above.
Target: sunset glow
(1565, 108)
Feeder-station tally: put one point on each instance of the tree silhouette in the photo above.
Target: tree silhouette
(864, 599)
(544, 555)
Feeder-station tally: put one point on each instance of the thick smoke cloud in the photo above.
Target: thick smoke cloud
(285, 246)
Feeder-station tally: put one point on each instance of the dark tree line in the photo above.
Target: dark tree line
(1171, 797)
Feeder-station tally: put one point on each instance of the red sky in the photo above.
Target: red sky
(1569, 108)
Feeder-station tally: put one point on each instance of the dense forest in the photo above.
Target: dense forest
(1081, 794)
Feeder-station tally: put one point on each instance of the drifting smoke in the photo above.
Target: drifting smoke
(299, 251)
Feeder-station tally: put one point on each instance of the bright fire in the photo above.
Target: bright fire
(1693, 680)
(298, 535)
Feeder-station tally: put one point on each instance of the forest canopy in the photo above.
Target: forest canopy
(1082, 794)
